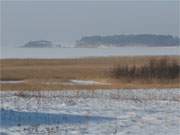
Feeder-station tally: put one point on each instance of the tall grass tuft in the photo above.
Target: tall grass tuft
(161, 69)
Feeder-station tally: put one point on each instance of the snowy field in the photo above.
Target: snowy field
(100, 112)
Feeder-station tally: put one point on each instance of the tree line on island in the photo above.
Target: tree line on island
(128, 40)
(149, 40)
(41, 44)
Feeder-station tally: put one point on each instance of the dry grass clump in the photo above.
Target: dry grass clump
(160, 69)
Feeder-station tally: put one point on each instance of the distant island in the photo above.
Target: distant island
(40, 44)
(149, 40)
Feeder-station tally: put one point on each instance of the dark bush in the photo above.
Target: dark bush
(155, 69)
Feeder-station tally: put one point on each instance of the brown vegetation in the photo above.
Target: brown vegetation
(160, 69)
(37, 72)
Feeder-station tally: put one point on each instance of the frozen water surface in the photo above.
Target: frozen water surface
(8, 52)
(100, 112)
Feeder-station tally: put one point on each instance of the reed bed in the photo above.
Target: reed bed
(119, 72)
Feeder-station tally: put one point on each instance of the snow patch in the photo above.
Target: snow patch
(11, 82)
(87, 82)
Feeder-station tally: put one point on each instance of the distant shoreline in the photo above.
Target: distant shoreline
(131, 40)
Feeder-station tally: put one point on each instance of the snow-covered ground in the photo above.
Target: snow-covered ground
(100, 112)
(10, 82)
(87, 82)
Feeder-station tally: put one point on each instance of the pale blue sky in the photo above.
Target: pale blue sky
(68, 21)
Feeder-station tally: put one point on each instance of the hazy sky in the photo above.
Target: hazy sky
(69, 21)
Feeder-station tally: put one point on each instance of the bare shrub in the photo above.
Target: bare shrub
(155, 69)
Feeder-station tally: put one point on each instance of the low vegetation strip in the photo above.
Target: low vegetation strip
(118, 72)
